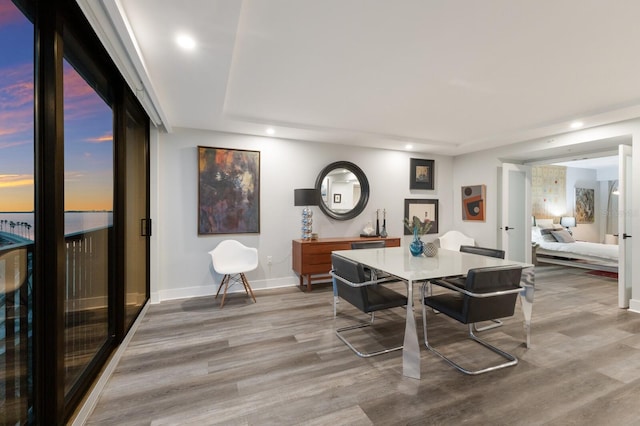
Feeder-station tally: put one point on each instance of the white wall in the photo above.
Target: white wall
(480, 168)
(183, 265)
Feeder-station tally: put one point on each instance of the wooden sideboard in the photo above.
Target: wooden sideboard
(312, 258)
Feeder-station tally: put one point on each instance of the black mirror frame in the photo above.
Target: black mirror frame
(364, 190)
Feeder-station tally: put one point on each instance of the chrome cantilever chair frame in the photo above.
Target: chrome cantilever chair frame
(392, 302)
(484, 251)
(362, 325)
(511, 360)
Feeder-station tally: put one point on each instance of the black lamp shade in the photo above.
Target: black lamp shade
(305, 197)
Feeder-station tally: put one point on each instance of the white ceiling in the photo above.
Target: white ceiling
(448, 76)
(592, 163)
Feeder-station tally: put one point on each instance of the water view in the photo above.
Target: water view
(21, 224)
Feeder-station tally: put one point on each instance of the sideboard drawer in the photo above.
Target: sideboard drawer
(313, 257)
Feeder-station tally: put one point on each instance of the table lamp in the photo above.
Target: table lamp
(568, 222)
(306, 197)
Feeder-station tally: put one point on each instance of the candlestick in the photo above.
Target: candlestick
(383, 233)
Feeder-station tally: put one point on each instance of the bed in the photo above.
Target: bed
(556, 246)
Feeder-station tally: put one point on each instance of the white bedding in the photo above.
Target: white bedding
(583, 248)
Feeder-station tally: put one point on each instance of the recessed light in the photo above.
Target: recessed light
(270, 131)
(577, 124)
(186, 42)
(408, 146)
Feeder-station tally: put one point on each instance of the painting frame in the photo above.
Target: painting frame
(473, 200)
(228, 191)
(416, 207)
(337, 198)
(584, 205)
(421, 174)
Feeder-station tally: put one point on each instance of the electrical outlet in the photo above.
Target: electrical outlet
(269, 260)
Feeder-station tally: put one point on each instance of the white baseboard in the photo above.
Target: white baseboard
(634, 306)
(210, 290)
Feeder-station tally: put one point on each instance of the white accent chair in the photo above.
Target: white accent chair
(232, 259)
(452, 240)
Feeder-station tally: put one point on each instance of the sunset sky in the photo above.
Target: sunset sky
(87, 121)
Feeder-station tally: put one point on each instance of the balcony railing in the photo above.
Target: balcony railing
(86, 319)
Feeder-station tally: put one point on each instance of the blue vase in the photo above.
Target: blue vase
(417, 246)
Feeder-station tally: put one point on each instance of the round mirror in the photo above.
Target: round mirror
(344, 190)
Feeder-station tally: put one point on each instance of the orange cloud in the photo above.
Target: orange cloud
(108, 137)
(12, 181)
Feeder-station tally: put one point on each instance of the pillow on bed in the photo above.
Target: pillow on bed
(545, 223)
(547, 235)
(563, 236)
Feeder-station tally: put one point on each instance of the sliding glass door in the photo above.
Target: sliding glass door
(88, 219)
(16, 214)
(137, 222)
(74, 213)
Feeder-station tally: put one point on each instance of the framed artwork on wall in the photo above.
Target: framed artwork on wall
(585, 205)
(228, 191)
(473, 203)
(421, 174)
(337, 198)
(424, 210)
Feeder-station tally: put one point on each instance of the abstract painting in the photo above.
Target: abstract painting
(473, 203)
(228, 191)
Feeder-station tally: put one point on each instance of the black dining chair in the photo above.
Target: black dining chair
(369, 274)
(487, 294)
(368, 296)
(490, 252)
(483, 251)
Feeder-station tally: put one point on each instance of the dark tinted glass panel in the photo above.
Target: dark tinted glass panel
(16, 213)
(136, 212)
(88, 189)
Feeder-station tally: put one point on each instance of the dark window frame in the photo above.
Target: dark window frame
(52, 18)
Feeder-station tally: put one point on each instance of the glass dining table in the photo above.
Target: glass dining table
(398, 262)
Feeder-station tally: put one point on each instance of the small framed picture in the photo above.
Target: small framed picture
(337, 198)
(425, 210)
(473, 203)
(421, 176)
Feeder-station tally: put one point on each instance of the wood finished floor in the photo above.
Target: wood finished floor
(278, 362)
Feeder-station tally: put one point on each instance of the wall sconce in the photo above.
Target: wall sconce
(568, 222)
(306, 198)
